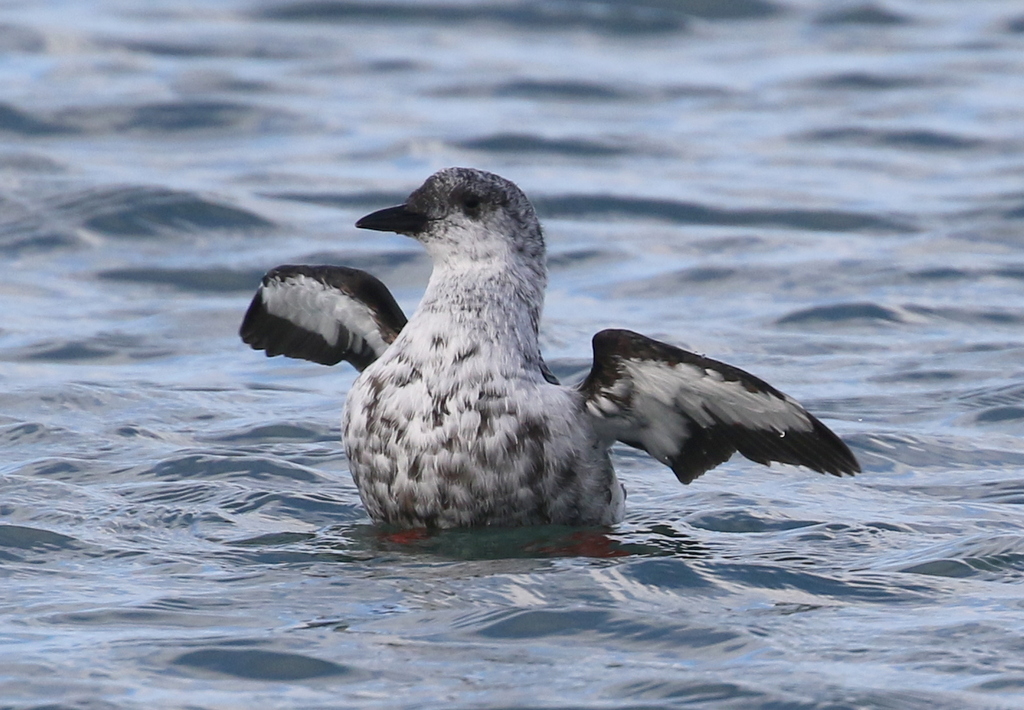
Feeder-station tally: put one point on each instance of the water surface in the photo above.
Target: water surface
(826, 194)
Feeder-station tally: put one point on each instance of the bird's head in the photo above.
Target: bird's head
(462, 215)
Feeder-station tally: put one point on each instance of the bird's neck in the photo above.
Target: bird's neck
(494, 304)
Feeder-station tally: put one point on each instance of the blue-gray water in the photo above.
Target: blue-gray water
(828, 194)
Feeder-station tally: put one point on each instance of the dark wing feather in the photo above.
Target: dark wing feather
(692, 413)
(547, 374)
(322, 313)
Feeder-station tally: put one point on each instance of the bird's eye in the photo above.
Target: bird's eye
(470, 204)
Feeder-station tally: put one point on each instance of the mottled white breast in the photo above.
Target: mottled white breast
(450, 430)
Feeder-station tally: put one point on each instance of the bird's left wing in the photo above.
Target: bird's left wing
(322, 313)
(692, 413)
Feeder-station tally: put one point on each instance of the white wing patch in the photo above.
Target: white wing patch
(322, 313)
(708, 398)
(692, 413)
(326, 311)
(669, 399)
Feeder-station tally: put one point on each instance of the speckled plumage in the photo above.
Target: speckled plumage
(455, 424)
(456, 420)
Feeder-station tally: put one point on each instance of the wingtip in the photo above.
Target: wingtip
(247, 329)
(853, 468)
(846, 464)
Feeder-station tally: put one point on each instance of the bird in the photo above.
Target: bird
(455, 419)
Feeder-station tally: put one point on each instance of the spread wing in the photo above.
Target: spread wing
(322, 313)
(692, 413)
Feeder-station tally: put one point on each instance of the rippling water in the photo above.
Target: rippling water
(827, 194)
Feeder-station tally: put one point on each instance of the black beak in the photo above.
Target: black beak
(394, 219)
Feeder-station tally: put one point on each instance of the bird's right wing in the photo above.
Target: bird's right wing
(322, 313)
(692, 413)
